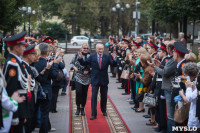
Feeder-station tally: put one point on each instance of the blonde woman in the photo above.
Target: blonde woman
(81, 78)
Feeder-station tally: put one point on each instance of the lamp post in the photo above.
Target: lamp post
(29, 11)
(136, 19)
(118, 8)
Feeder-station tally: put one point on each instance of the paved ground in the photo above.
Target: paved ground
(135, 121)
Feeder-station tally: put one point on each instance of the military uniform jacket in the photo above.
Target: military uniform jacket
(31, 103)
(153, 56)
(16, 78)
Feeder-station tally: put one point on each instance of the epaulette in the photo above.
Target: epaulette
(13, 60)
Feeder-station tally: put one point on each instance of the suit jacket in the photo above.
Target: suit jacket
(167, 73)
(99, 76)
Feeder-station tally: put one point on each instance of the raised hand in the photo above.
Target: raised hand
(157, 62)
(80, 54)
(114, 55)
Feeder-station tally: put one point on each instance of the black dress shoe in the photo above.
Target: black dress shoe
(131, 102)
(93, 117)
(134, 108)
(78, 111)
(54, 111)
(118, 82)
(125, 93)
(82, 112)
(120, 88)
(105, 114)
(147, 116)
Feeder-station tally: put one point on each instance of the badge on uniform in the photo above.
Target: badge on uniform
(13, 60)
(12, 72)
(166, 60)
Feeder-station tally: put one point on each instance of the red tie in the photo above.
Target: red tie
(100, 61)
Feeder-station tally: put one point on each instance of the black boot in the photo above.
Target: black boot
(78, 111)
(82, 112)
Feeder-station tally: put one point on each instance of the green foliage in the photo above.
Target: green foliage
(10, 15)
(53, 29)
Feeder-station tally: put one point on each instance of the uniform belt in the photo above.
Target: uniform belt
(22, 91)
(159, 79)
(176, 86)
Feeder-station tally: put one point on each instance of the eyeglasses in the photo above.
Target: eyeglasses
(85, 48)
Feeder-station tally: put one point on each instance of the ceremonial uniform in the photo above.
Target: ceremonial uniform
(16, 78)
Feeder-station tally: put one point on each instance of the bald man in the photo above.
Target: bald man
(99, 62)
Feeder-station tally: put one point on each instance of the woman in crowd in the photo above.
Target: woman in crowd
(190, 69)
(146, 79)
(82, 79)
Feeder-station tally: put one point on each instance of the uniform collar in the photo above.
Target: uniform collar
(180, 63)
(153, 53)
(26, 63)
(18, 58)
(164, 58)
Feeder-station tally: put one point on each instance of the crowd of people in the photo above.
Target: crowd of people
(32, 76)
(161, 74)
(158, 73)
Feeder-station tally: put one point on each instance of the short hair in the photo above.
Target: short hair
(181, 33)
(190, 69)
(98, 44)
(44, 47)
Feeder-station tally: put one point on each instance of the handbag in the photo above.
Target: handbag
(181, 112)
(125, 74)
(60, 76)
(150, 99)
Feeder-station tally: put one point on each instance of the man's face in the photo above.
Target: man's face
(161, 54)
(138, 39)
(20, 49)
(150, 49)
(31, 58)
(100, 49)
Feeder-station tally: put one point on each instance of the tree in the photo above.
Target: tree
(10, 15)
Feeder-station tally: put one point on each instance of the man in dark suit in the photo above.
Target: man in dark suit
(99, 62)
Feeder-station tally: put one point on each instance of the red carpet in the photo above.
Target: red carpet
(100, 124)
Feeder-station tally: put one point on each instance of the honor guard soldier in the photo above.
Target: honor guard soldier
(156, 86)
(178, 84)
(152, 49)
(29, 58)
(17, 78)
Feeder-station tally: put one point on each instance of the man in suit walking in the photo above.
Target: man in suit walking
(99, 62)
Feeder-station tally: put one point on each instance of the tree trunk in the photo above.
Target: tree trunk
(193, 34)
(153, 27)
(175, 30)
(185, 27)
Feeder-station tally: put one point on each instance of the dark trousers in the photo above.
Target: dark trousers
(81, 94)
(34, 122)
(133, 88)
(161, 117)
(119, 73)
(103, 102)
(18, 128)
(127, 86)
(55, 91)
(45, 122)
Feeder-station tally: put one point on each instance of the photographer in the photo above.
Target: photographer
(47, 87)
(57, 83)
